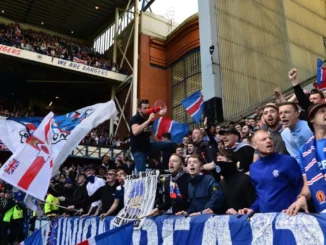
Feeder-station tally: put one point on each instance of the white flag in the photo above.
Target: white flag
(67, 130)
(30, 167)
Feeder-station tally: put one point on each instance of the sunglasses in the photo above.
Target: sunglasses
(111, 174)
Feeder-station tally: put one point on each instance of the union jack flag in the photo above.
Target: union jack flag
(11, 167)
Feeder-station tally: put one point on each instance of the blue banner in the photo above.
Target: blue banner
(264, 229)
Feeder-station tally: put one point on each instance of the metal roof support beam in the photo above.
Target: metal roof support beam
(112, 120)
(115, 44)
(126, 48)
(135, 59)
(122, 115)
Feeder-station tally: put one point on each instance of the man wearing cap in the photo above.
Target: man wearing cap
(276, 177)
(296, 131)
(243, 152)
(313, 164)
(94, 183)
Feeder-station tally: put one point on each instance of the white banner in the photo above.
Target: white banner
(30, 167)
(139, 198)
(67, 130)
(48, 60)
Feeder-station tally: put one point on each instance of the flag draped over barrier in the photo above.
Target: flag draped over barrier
(176, 129)
(194, 105)
(139, 197)
(261, 229)
(120, 235)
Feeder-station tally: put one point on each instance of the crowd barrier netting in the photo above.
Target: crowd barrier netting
(264, 229)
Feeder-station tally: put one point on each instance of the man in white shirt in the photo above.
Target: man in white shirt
(93, 184)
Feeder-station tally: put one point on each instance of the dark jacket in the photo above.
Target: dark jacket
(204, 192)
(238, 190)
(79, 194)
(105, 194)
(244, 153)
(176, 204)
(207, 149)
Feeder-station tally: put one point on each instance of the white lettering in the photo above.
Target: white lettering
(262, 228)
(167, 231)
(305, 228)
(217, 229)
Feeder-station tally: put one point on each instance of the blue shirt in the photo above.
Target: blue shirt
(296, 138)
(278, 181)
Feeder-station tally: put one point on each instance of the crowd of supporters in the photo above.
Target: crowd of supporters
(265, 163)
(55, 46)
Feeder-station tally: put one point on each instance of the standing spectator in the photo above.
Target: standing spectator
(236, 186)
(273, 126)
(94, 183)
(179, 150)
(296, 131)
(141, 133)
(244, 153)
(312, 160)
(276, 177)
(207, 149)
(107, 162)
(176, 188)
(205, 196)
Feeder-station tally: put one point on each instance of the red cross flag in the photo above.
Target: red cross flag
(30, 167)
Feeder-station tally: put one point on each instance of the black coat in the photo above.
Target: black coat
(177, 205)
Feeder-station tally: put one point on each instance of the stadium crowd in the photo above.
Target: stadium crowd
(272, 162)
(55, 46)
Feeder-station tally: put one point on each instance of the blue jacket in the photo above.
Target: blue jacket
(204, 192)
(277, 180)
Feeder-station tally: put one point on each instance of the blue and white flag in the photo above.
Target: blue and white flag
(176, 129)
(194, 105)
(120, 235)
(67, 130)
(35, 239)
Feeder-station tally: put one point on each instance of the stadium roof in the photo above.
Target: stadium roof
(82, 17)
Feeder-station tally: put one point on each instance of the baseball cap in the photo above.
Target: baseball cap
(231, 131)
(311, 113)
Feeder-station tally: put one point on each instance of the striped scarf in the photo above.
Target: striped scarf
(174, 188)
(314, 173)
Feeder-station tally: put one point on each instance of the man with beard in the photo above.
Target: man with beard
(141, 133)
(296, 132)
(276, 177)
(274, 128)
(204, 148)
